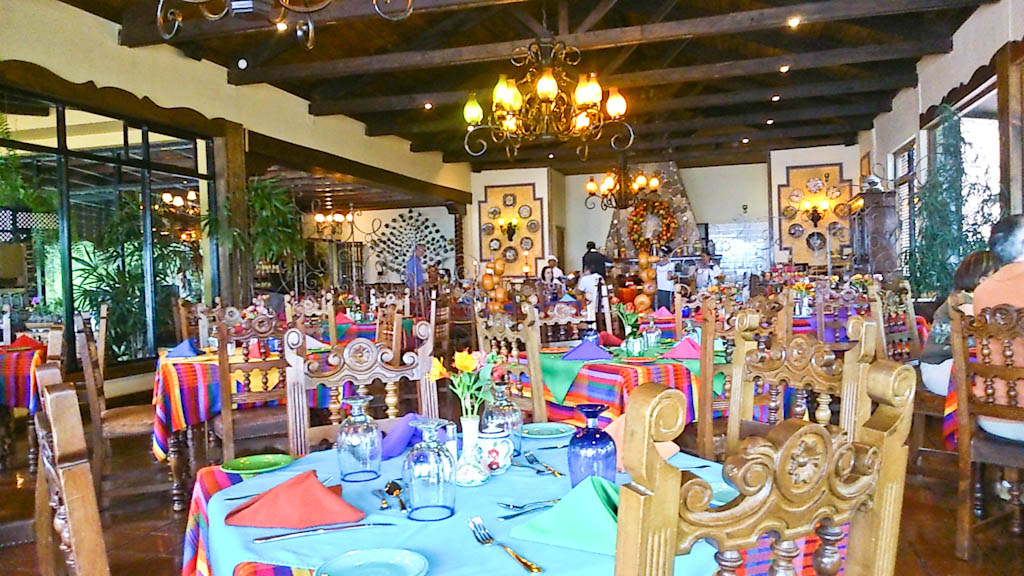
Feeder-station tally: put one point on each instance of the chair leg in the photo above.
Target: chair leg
(174, 457)
(1013, 477)
(916, 439)
(979, 490)
(964, 517)
(33, 446)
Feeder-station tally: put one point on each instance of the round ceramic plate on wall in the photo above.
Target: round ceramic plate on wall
(511, 254)
(816, 241)
(525, 211)
(487, 228)
(789, 212)
(493, 212)
(843, 234)
(842, 209)
(494, 244)
(834, 192)
(526, 243)
(815, 185)
(508, 200)
(796, 195)
(796, 230)
(833, 228)
(533, 226)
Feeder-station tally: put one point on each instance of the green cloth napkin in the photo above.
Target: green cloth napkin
(584, 519)
(343, 328)
(560, 374)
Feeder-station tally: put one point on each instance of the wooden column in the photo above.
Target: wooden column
(236, 267)
(1010, 94)
(458, 211)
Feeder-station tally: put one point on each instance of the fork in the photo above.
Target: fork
(527, 505)
(484, 537)
(535, 462)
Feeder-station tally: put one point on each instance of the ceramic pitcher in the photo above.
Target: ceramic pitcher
(494, 449)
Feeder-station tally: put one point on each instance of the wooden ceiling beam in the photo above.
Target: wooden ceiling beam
(595, 15)
(723, 24)
(138, 23)
(870, 107)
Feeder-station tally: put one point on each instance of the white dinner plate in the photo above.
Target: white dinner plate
(375, 562)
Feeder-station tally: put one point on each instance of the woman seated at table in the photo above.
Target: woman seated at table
(937, 355)
(1006, 286)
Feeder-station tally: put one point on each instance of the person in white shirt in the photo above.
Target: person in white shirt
(588, 285)
(551, 272)
(665, 280)
(707, 272)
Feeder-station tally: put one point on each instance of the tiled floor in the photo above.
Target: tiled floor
(145, 538)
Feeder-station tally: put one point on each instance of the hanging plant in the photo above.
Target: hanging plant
(274, 232)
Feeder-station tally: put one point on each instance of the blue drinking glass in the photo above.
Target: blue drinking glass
(591, 450)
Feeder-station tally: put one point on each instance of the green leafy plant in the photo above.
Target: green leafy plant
(274, 233)
(630, 319)
(945, 233)
(15, 192)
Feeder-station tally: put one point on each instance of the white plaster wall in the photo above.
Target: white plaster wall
(80, 47)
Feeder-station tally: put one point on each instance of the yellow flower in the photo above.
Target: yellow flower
(464, 362)
(437, 371)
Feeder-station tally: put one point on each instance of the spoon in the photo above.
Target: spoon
(393, 488)
(383, 498)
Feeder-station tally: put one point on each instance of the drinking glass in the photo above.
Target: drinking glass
(503, 414)
(591, 450)
(429, 475)
(359, 443)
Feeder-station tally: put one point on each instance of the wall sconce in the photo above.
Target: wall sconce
(508, 229)
(816, 210)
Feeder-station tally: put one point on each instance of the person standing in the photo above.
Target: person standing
(594, 261)
(414, 275)
(665, 270)
(707, 272)
(588, 284)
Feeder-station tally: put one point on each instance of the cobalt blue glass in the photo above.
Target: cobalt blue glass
(591, 450)
(685, 312)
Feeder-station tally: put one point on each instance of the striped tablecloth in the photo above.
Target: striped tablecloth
(18, 378)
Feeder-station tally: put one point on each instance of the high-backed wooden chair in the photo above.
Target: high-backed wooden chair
(684, 297)
(505, 335)
(988, 387)
(363, 363)
(802, 478)
(253, 363)
(6, 333)
(441, 311)
(314, 315)
(832, 308)
(110, 423)
(389, 327)
(69, 536)
(561, 324)
(602, 316)
(192, 320)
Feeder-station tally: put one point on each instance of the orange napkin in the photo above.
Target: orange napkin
(301, 502)
(688, 349)
(617, 430)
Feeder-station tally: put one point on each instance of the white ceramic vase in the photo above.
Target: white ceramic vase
(469, 471)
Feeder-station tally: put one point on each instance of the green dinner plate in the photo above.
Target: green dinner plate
(256, 464)
(548, 430)
(375, 562)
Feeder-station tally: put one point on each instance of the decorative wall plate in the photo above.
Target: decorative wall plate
(508, 200)
(834, 192)
(494, 244)
(789, 212)
(525, 211)
(796, 195)
(796, 230)
(487, 228)
(533, 226)
(493, 212)
(842, 209)
(843, 234)
(833, 227)
(816, 241)
(510, 254)
(526, 243)
(815, 185)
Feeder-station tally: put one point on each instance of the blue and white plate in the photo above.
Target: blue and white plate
(375, 562)
(548, 430)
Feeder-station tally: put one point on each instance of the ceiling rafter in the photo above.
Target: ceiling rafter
(732, 23)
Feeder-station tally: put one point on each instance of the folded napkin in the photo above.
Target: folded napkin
(567, 298)
(609, 339)
(403, 435)
(617, 430)
(341, 318)
(314, 344)
(186, 349)
(587, 351)
(663, 313)
(584, 519)
(24, 342)
(300, 502)
(687, 349)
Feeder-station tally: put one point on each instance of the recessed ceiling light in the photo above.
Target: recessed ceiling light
(776, 97)
(427, 105)
(794, 21)
(770, 121)
(745, 141)
(784, 68)
(243, 63)
(551, 155)
(282, 26)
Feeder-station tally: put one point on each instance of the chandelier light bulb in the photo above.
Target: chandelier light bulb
(515, 96)
(167, 197)
(595, 91)
(794, 21)
(178, 201)
(640, 181)
(608, 183)
(582, 122)
(319, 218)
(338, 217)
(509, 124)
(581, 96)
(501, 222)
(191, 196)
(282, 26)
(807, 205)
(776, 97)
(547, 87)
(616, 104)
(784, 68)
(515, 222)
(654, 183)
(591, 186)
(499, 100)
(472, 112)
(823, 204)
(349, 217)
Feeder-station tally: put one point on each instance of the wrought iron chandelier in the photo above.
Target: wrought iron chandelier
(619, 189)
(544, 104)
(168, 20)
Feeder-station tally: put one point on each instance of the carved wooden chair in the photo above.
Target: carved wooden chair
(602, 315)
(832, 308)
(802, 478)
(389, 327)
(313, 315)
(684, 297)
(110, 423)
(68, 533)
(505, 335)
(441, 311)
(192, 320)
(362, 363)
(561, 324)
(988, 387)
(249, 338)
(6, 333)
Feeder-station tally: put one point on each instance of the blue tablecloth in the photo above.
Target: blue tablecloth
(448, 545)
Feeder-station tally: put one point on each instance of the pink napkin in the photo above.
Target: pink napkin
(688, 349)
(340, 318)
(617, 430)
(301, 502)
(663, 313)
(610, 340)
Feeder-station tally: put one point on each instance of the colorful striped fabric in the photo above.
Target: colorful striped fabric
(18, 379)
(210, 480)
(949, 427)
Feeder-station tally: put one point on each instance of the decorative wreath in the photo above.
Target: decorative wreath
(639, 215)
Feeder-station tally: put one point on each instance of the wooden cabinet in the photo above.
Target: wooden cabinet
(874, 225)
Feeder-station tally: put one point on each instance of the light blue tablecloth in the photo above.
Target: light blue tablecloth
(448, 545)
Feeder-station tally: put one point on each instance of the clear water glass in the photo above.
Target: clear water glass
(503, 414)
(429, 475)
(359, 443)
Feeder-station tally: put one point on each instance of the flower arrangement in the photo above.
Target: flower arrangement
(804, 289)
(639, 215)
(630, 318)
(471, 378)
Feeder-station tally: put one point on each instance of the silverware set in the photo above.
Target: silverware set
(483, 536)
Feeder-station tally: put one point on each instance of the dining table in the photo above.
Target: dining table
(17, 390)
(212, 547)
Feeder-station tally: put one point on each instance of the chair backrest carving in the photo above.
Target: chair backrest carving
(684, 297)
(313, 315)
(250, 338)
(69, 537)
(801, 478)
(192, 320)
(511, 338)
(561, 323)
(441, 311)
(892, 307)
(833, 306)
(361, 362)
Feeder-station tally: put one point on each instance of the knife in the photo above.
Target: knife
(314, 531)
(559, 447)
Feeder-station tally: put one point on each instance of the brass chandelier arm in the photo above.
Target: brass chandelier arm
(393, 17)
(624, 139)
(167, 22)
(205, 10)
